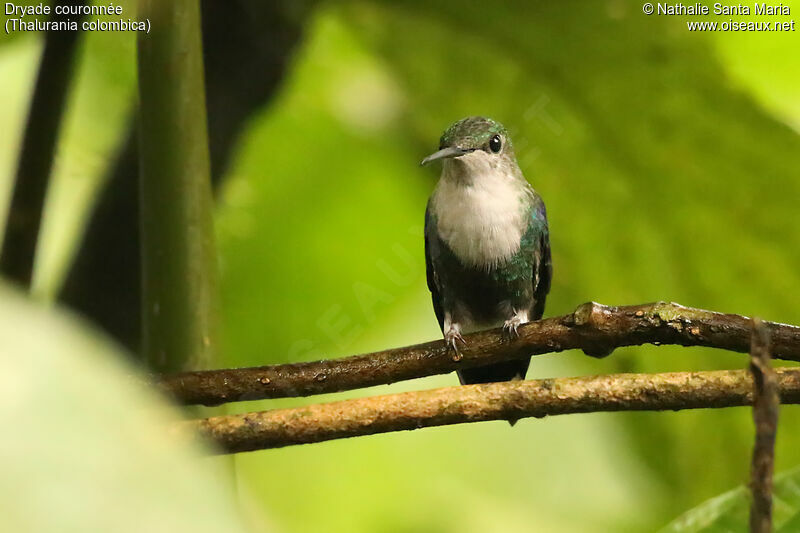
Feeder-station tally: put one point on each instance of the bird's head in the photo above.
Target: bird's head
(474, 144)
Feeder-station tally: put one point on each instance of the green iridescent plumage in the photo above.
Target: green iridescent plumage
(486, 241)
(472, 132)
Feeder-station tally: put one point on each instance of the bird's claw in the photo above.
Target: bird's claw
(452, 338)
(510, 328)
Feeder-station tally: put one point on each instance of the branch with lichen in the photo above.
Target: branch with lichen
(494, 401)
(596, 329)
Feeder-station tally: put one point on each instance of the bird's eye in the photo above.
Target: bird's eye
(495, 144)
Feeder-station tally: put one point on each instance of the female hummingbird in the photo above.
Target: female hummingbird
(487, 244)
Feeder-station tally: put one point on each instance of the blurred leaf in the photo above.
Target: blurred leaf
(98, 109)
(288, 206)
(766, 65)
(18, 63)
(87, 446)
(730, 512)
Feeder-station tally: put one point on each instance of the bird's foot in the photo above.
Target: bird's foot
(452, 336)
(511, 325)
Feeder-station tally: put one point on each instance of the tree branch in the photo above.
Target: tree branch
(596, 329)
(494, 401)
(765, 417)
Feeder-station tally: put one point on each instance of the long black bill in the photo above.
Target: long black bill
(444, 153)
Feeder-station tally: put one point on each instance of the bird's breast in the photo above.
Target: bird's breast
(482, 224)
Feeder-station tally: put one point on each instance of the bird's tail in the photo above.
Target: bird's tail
(505, 371)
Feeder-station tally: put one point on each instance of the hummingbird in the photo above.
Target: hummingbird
(487, 243)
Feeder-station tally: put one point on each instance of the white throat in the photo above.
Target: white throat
(480, 212)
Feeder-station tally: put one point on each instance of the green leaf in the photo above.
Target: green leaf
(87, 445)
(729, 512)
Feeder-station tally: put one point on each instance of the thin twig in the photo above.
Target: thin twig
(494, 401)
(765, 417)
(594, 328)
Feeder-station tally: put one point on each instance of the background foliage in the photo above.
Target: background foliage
(669, 164)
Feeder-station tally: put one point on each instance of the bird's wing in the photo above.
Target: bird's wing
(432, 250)
(543, 265)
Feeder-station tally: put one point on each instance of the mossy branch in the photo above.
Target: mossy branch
(494, 401)
(593, 328)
